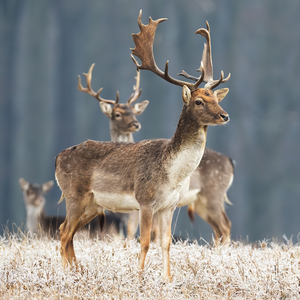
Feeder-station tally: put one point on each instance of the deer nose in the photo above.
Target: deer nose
(224, 117)
(136, 125)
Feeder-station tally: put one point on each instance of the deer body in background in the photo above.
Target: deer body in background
(150, 176)
(208, 192)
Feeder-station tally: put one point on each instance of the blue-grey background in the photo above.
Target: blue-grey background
(45, 44)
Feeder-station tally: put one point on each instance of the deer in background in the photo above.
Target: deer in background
(150, 176)
(123, 122)
(36, 220)
(212, 178)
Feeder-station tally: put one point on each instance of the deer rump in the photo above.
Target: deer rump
(115, 174)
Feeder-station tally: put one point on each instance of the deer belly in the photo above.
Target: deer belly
(114, 202)
(189, 197)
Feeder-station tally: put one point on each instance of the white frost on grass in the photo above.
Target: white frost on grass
(30, 268)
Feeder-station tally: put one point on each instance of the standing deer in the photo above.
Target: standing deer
(150, 176)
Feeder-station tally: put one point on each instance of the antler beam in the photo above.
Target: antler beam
(89, 89)
(136, 88)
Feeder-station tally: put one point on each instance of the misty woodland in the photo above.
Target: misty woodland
(110, 189)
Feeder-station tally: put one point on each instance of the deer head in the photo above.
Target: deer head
(34, 198)
(122, 116)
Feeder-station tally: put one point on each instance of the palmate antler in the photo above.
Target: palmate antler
(207, 63)
(144, 51)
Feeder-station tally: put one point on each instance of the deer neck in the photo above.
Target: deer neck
(34, 216)
(188, 144)
(116, 136)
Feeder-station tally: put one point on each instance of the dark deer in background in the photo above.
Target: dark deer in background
(150, 176)
(123, 123)
(36, 220)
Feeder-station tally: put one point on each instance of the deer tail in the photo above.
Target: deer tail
(227, 200)
(190, 210)
(61, 198)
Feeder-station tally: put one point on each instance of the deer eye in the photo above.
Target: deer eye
(118, 115)
(199, 102)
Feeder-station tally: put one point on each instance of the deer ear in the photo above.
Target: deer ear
(221, 93)
(47, 186)
(106, 109)
(186, 95)
(24, 184)
(139, 108)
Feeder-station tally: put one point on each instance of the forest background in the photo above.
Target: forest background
(45, 44)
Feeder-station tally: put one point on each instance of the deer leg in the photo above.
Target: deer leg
(165, 222)
(67, 231)
(146, 216)
(215, 216)
(155, 228)
(132, 224)
(76, 218)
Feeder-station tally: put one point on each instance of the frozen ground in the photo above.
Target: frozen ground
(30, 268)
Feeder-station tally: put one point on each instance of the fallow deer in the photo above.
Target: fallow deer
(150, 176)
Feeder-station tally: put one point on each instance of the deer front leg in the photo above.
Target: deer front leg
(146, 215)
(165, 222)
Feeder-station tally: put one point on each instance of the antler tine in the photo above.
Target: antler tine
(89, 89)
(206, 63)
(136, 88)
(144, 51)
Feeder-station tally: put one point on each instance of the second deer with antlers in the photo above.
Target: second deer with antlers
(150, 176)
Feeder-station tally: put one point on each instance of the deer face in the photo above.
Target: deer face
(123, 116)
(204, 105)
(34, 193)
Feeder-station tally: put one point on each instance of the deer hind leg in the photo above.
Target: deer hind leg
(165, 222)
(221, 224)
(77, 217)
(155, 228)
(146, 215)
(215, 216)
(132, 225)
